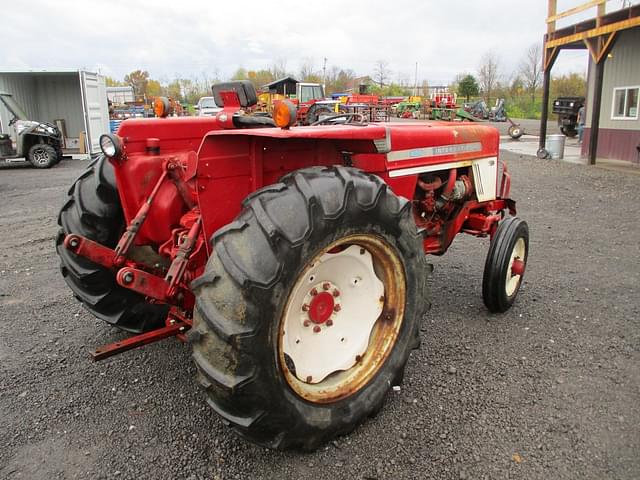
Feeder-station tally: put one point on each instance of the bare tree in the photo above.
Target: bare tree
(488, 74)
(308, 73)
(279, 68)
(381, 73)
(531, 69)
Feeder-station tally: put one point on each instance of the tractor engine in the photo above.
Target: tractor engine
(437, 197)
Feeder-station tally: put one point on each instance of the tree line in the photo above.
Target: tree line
(521, 89)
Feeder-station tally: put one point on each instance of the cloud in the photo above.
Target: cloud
(208, 37)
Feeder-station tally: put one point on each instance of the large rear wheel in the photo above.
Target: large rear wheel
(309, 307)
(93, 211)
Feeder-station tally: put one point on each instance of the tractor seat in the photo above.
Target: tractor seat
(4, 136)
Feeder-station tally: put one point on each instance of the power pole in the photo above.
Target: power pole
(415, 84)
(324, 71)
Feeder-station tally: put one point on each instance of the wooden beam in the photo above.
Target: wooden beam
(593, 49)
(578, 9)
(606, 47)
(551, 26)
(594, 32)
(601, 13)
(550, 56)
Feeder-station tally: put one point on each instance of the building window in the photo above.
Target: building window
(625, 103)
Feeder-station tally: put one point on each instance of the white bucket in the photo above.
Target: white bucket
(555, 146)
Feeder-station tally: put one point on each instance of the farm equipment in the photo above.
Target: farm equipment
(291, 259)
(39, 143)
(308, 97)
(566, 108)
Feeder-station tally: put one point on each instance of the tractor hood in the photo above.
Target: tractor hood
(411, 141)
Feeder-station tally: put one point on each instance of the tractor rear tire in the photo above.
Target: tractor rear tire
(42, 155)
(246, 306)
(93, 210)
(505, 264)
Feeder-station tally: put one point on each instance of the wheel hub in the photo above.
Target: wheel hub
(332, 312)
(516, 267)
(321, 307)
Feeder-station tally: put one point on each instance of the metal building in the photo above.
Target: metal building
(612, 128)
(75, 100)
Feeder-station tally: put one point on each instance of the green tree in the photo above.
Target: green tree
(240, 74)
(468, 87)
(138, 79)
(112, 82)
(154, 88)
(572, 85)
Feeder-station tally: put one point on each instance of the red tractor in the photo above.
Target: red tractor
(291, 259)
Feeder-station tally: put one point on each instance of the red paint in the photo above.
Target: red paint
(614, 144)
(321, 307)
(181, 179)
(517, 268)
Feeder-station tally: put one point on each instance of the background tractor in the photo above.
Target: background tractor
(39, 143)
(291, 259)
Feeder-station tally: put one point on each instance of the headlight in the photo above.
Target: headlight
(571, 104)
(556, 103)
(110, 145)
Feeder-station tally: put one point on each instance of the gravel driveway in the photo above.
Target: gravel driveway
(549, 390)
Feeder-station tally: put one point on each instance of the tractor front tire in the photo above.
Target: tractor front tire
(309, 307)
(505, 264)
(93, 211)
(42, 155)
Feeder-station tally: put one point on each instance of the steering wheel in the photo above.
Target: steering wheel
(348, 116)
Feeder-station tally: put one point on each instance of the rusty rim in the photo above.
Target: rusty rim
(340, 384)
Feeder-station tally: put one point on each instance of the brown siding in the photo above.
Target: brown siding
(615, 144)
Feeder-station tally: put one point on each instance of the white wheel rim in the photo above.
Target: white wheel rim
(512, 278)
(331, 313)
(342, 318)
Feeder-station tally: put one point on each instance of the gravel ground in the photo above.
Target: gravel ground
(549, 390)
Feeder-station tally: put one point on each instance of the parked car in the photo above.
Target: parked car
(207, 107)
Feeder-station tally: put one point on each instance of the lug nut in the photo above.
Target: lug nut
(309, 379)
(73, 243)
(306, 323)
(326, 285)
(336, 293)
(337, 308)
(316, 329)
(305, 308)
(314, 292)
(127, 277)
(362, 250)
(329, 323)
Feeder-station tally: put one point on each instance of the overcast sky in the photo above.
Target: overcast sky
(195, 38)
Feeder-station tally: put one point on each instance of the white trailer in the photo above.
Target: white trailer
(75, 100)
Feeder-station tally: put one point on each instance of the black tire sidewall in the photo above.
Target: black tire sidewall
(51, 152)
(494, 279)
(373, 392)
(255, 388)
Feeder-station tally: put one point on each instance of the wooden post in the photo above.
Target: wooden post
(549, 59)
(595, 112)
(552, 10)
(546, 80)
